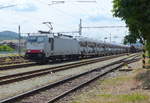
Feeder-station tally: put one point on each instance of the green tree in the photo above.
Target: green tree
(130, 39)
(136, 14)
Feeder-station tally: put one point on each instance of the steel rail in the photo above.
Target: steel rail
(13, 62)
(31, 74)
(10, 57)
(16, 66)
(51, 85)
(27, 75)
(83, 84)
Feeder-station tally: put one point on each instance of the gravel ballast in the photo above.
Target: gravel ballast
(96, 85)
(26, 85)
(38, 67)
(45, 96)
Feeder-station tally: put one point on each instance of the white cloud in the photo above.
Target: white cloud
(65, 17)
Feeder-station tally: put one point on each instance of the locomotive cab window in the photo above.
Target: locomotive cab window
(32, 39)
(40, 39)
(36, 39)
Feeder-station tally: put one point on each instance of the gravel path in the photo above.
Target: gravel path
(22, 86)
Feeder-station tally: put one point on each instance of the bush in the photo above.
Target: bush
(6, 48)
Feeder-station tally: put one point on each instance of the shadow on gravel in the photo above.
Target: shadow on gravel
(145, 79)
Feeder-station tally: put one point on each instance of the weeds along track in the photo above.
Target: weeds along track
(57, 90)
(17, 65)
(11, 60)
(35, 73)
(14, 62)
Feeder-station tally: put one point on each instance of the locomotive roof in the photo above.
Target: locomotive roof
(79, 38)
(86, 39)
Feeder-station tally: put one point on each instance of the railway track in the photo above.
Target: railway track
(70, 84)
(14, 62)
(3, 60)
(35, 73)
(17, 65)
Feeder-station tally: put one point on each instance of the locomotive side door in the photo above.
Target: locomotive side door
(51, 46)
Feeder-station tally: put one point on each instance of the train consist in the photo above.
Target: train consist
(44, 47)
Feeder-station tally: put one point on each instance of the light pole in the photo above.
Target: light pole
(80, 27)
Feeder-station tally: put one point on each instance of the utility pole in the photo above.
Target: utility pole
(19, 46)
(105, 39)
(110, 37)
(80, 27)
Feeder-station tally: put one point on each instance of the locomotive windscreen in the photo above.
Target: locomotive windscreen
(35, 39)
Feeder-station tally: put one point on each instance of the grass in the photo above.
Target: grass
(115, 81)
(115, 90)
(6, 48)
(133, 97)
(146, 53)
(144, 77)
(122, 98)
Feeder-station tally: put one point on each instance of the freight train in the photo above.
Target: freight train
(44, 47)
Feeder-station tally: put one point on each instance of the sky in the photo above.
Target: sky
(30, 15)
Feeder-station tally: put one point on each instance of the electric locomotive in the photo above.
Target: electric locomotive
(44, 47)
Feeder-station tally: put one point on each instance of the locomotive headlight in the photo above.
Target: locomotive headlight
(28, 51)
(41, 50)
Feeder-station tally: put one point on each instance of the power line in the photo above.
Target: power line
(60, 11)
(62, 1)
(105, 27)
(7, 6)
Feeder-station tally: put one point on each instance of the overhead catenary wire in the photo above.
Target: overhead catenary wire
(7, 6)
(64, 1)
(104, 27)
(78, 1)
(64, 13)
(60, 12)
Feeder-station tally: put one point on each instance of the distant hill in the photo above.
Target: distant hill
(8, 35)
